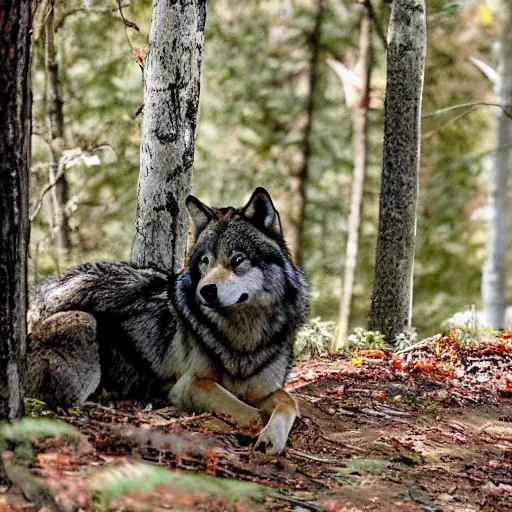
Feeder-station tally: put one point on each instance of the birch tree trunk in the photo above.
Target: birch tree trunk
(360, 137)
(303, 175)
(55, 141)
(15, 109)
(493, 275)
(391, 307)
(171, 101)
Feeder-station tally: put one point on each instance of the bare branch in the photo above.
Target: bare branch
(64, 162)
(107, 10)
(376, 22)
(102, 145)
(127, 23)
(429, 134)
(506, 108)
(137, 112)
(45, 191)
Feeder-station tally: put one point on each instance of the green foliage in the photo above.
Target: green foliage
(314, 339)
(21, 433)
(101, 86)
(253, 113)
(469, 327)
(405, 339)
(113, 483)
(367, 340)
(34, 407)
(36, 427)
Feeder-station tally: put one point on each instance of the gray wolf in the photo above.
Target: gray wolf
(218, 336)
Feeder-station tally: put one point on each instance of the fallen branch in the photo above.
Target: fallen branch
(420, 344)
(301, 503)
(380, 414)
(307, 456)
(392, 412)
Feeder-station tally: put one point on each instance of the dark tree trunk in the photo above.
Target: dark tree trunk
(55, 141)
(303, 175)
(391, 307)
(15, 108)
(171, 101)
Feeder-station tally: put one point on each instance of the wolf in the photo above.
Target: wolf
(217, 337)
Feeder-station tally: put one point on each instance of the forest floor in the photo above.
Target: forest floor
(428, 429)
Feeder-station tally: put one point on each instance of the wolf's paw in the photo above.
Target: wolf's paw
(251, 421)
(273, 437)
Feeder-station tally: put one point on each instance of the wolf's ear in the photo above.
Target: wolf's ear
(261, 212)
(199, 213)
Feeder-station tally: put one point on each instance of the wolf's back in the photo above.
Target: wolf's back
(109, 319)
(105, 287)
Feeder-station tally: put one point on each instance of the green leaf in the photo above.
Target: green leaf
(111, 484)
(40, 427)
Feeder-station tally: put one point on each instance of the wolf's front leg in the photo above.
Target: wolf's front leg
(283, 410)
(204, 394)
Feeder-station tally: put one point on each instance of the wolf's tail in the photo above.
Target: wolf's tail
(107, 287)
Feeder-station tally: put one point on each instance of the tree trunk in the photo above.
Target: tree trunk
(303, 175)
(493, 275)
(171, 101)
(15, 109)
(391, 307)
(360, 137)
(55, 141)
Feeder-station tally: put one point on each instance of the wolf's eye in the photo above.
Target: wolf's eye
(236, 260)
(205, 260)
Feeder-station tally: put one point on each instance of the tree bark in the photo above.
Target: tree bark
(171, 101)
(303, 175)
(493, 275)
(391, 307)
(360, 137)
(15, 110)
(55, 141)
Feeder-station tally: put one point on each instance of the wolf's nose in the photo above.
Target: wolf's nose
(209, 293)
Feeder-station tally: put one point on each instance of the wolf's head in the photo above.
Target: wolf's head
(240, 294)
(239, 257)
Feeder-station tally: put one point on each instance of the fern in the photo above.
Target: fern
(113, 483)
(39, 427)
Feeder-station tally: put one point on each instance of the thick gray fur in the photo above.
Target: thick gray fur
(143, 333)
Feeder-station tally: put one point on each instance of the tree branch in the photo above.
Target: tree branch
(45, 191)
(376, 22)
(507, 109)
(137, 112)
(72, 12)
(63, 162)
(429, 134)
(127, 23)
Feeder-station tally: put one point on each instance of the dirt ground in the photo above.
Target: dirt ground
(429, 430)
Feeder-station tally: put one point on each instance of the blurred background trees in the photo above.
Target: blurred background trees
(272, 113)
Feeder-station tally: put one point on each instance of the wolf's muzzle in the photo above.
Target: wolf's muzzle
(210, 297)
